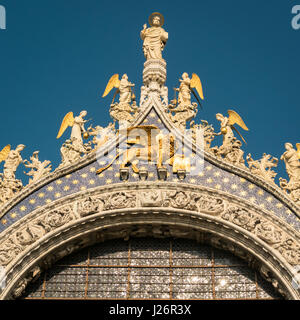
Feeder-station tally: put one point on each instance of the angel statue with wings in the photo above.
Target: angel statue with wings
(74, 147)
(123, 111)
(9, 185)
(291, 158)
(230, 149)
(183, 108)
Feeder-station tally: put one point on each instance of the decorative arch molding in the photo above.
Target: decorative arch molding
(153, 103)
(159, 209)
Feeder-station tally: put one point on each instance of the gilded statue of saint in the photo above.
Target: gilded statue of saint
(155, 37)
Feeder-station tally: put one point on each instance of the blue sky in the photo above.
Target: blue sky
(57, 56)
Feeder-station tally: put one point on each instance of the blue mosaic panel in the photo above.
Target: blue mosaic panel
(211, 176)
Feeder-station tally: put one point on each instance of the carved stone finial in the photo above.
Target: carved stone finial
(38, 169)
(263, 167)
(102, 135)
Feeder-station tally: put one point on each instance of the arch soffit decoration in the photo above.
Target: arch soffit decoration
(183, 209)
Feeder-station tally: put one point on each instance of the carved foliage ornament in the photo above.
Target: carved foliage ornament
(31, 232)
(266, 231)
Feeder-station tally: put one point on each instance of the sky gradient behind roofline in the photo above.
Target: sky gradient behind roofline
(57, 56)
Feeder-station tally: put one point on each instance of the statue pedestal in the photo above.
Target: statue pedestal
(154, 78)
(155, 70)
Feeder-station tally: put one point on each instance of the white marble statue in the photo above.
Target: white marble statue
(155, 37)
(291, 158)
(38, 169)
(9, 185)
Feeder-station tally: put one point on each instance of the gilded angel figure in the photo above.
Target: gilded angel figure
(183, 107)
(78, 130)
(126, 108)
(230, 149)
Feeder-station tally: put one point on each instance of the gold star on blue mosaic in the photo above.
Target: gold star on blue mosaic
(252, 199)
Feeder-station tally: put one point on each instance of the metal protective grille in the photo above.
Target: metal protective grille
(150, 269)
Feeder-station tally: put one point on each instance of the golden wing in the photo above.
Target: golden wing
(113, 82)
(4, 153)
(196, 83)
(68, 121)
(235, 118)
(298, 149)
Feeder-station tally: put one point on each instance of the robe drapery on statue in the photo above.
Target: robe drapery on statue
(155, 39)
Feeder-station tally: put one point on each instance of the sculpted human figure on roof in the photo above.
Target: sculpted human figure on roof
(155, 37)
(9, 185)
(291, 158)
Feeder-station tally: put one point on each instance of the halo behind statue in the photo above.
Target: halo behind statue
(156, 14)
